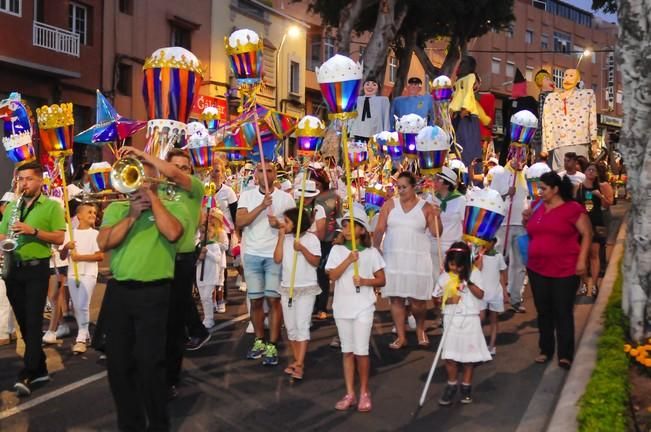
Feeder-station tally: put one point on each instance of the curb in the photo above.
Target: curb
(564, 417)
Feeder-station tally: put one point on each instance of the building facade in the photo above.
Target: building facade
(51, 53)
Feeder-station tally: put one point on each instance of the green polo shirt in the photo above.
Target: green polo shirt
(191, 202)
(46, 215)
(144, 255)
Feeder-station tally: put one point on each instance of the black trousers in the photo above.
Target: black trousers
(183, 314)
(27, 291)
(321, 303)
(136, 323)
(554, 300)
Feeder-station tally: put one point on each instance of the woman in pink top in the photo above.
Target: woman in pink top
(560, 236)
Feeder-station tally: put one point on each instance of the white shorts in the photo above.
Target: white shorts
(355, 334)
(493, 306)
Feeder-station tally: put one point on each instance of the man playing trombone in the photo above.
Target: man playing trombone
(30, 225)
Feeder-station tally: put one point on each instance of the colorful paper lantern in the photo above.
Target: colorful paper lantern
(374, 198)
(485, 211)
(55, 126)
(533, 174)
(100, 176)
(523, 126)
(109, 125)
(340, 78)
(309, 135)
(442, 89)
(244, 48)
(357, 153)
(201, 148)
(210, 118)
(408, 126)
(432, 145)
(17, 130)
(384, 140)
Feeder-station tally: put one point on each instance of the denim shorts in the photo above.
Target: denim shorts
(262, 277)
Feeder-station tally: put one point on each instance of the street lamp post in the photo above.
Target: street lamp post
(293, 32)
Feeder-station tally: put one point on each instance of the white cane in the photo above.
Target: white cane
(433, 368)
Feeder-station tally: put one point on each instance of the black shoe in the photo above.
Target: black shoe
(172, 392)
(448, 394)
(196, 343)
(466, 394)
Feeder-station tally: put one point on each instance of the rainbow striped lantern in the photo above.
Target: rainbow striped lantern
(235, 144)
(201, 147)
(100, 176)
(309, 135)
(210, 119)
(374, 197)
(172, 77)
(460, 168)
(17, 130)
(244, 48)
(533, 174)
(357, 153)
(389, 143)
(442, 89)
(340, 78)
(523, 126)
(432, 145)
(55, 126)
(408, 126)
(485, 211)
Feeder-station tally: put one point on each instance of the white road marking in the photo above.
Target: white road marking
(98, 376)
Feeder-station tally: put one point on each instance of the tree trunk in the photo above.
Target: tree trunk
(403, 54)
(347, 19)
(632, 50)
(425, 61)
(386, 27)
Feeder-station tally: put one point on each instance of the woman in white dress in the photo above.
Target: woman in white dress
(405, 221)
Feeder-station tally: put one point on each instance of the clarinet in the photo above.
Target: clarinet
(9, 244)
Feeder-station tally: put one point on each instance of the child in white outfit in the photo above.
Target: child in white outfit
(85, 252)
(463, 340)
(306, 287)
(213, 260)
(354, 304)
(494, 276)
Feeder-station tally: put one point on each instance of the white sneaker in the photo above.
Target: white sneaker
(492, 351)
(249, 328)
(208, 324)
(50, 337)
(411, 322)
(62, 331)
(221, 307)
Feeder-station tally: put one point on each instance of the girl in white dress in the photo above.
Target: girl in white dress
(406, 249)
(213, 258)
(463, 343)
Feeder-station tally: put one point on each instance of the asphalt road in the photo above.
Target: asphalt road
(222, 391)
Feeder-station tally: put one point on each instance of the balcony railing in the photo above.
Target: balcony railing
(55, 39)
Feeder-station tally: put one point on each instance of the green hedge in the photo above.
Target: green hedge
(604, 405)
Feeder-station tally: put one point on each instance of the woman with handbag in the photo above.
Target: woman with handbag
(560, 237)
(595, 198)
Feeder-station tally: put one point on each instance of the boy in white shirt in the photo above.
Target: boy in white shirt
(85, 252)
(494, 275)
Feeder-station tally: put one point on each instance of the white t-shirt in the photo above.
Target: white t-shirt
(319, 213)
(451, 219)
(259, 238)
(577, 178)
(502, 181)
(86, 240)
(490, 274)
(305, 272)
(226, 196)
(347, 302)
(469, 304)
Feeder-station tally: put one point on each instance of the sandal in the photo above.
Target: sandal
(397, 344)
(424, 343)
(289, 370)
(298, 372)
(542, 358)
(564, 364)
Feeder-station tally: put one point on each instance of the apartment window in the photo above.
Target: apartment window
(315, 51)
(562, 42)
(126, 7)
(528, 37)
(12, 7)
(557, 75)
(125, 79)
(544, 41)
(529, 74)
(294, 78)
(328, 47)
(510, 69)
(620, 97)
(510, 30)
(496, 65)
(78, 21)
(393, 69)
(39, 10)
(181, 36)
(251, 8)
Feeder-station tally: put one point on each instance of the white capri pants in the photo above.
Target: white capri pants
(6, 314)
(80, 296)
(205, 294)
(355, 334)
(297, 318)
